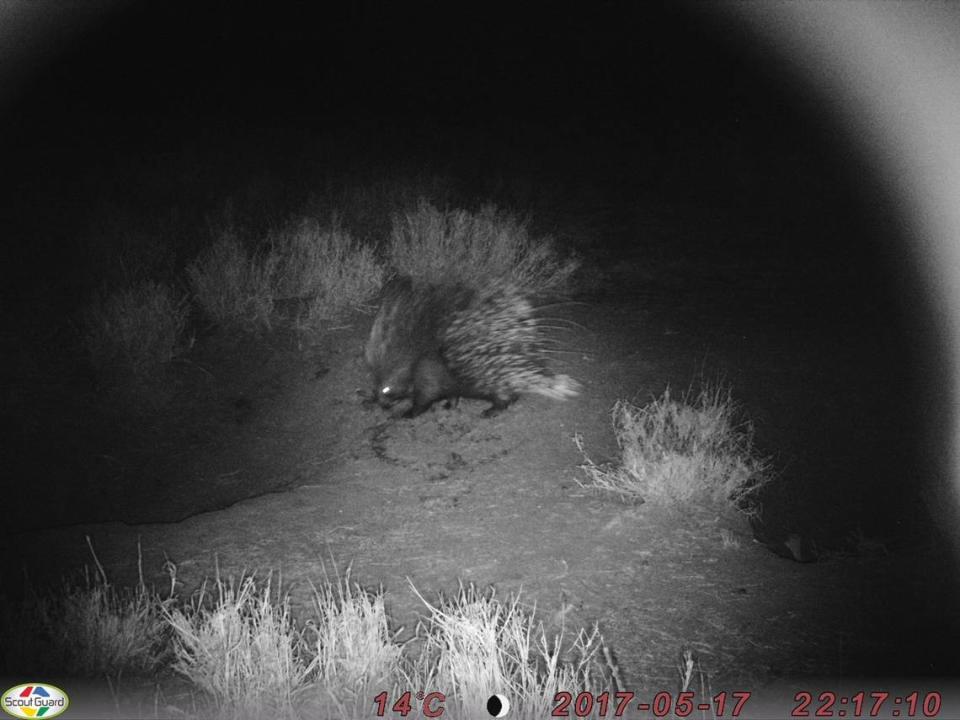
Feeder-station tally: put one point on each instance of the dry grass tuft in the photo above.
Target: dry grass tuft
(475, 645)
(354, 652)
(239, 645)
(675, 452)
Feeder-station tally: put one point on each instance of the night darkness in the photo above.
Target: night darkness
(729, 222)
(640, 102)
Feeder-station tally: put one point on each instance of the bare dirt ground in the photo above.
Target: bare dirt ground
(265, 460)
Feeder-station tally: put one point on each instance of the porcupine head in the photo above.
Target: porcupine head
(403, 351)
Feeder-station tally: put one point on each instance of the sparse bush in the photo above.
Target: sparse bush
(322, 269)
(444, 245)
(134, 331)
(232, 284)
(680, 451)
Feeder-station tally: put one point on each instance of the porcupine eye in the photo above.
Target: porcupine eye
(390, 393)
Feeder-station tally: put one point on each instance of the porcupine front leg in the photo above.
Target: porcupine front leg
(431, 382)
(499, 404)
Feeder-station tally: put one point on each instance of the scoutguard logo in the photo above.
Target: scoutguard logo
(34, 700)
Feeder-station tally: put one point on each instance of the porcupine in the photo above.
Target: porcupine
(433, 342)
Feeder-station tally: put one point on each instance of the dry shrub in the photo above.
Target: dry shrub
(680, 451)
(322, 270)
(232, 284)
(473, 247)
(133, 332)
